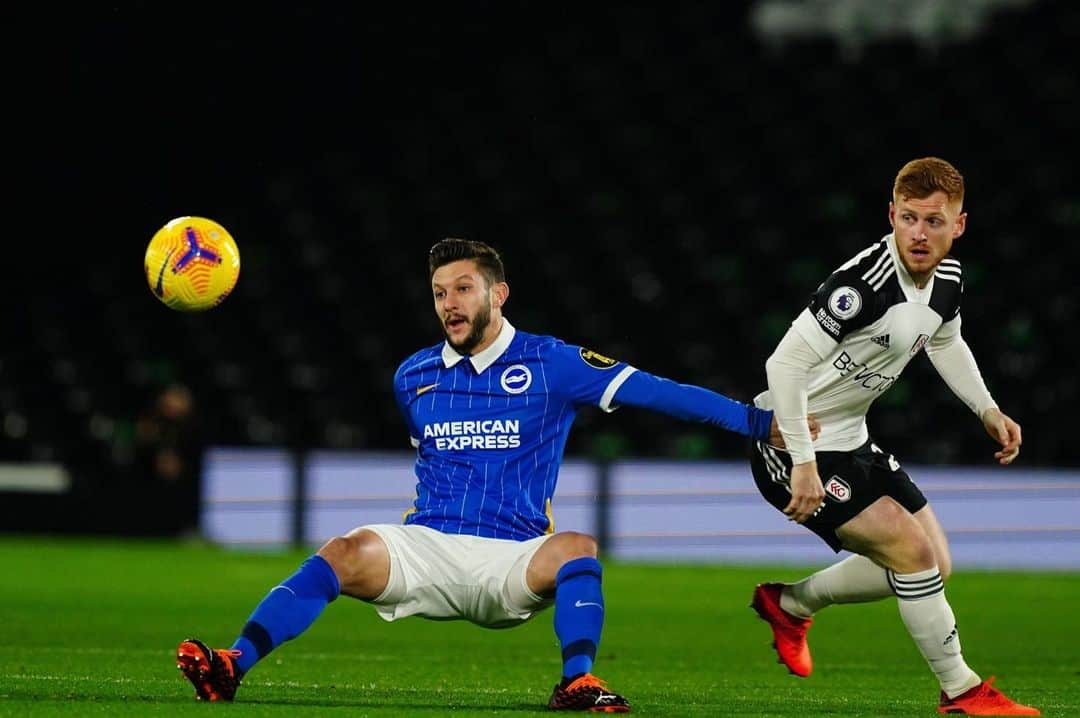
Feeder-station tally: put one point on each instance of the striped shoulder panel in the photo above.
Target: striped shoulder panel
(869, 258)
(878, 267)
(949, 270)
(874, 265)
(948, 288)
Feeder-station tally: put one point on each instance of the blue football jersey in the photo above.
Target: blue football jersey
(490, 429)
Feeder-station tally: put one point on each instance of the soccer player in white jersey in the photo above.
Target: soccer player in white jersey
(488, 410)
(863, 325)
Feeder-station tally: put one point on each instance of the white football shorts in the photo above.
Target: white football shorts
(448, 577)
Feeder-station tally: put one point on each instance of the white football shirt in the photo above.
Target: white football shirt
(866, 322)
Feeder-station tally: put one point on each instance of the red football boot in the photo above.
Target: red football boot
(984, 700)
(789, 632)
(212, 671)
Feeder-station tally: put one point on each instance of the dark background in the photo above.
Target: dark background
(666, 188)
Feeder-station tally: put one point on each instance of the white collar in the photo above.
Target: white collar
(487, 357)
(907, 284)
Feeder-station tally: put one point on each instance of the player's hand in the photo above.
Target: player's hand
(807, 494)
(1004, 431)
(777, 439)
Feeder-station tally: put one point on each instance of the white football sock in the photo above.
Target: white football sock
(856, 579)
(930, 621)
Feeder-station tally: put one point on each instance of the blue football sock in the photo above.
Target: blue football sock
(287, 611)
(579, 614)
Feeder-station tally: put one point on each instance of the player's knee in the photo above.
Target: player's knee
(567, 546)
(890, 535)
(578, 545)
(358, 559)
(944, 564)
(915, 553)
(925, 555)
(340, 553)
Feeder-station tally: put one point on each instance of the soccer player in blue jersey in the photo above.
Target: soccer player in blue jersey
(488, 410)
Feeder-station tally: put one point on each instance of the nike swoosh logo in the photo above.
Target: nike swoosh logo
(426, 388)
(581, 604)
(159, 289)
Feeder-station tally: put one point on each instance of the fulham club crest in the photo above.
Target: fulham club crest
(838, 489)
(919, 344)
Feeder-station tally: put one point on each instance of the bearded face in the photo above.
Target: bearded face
(924, 230)
(465, 333)
(463, 303)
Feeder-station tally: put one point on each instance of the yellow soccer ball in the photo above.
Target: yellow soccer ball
(192, 264)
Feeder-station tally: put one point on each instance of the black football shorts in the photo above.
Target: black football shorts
(852, 479)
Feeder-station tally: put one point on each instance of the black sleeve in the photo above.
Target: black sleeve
(948, 289)
(844, 303)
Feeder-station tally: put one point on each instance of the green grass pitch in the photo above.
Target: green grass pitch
(88, 627)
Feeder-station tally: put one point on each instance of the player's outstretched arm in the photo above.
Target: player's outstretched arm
(693, 403)
(1005, 431)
